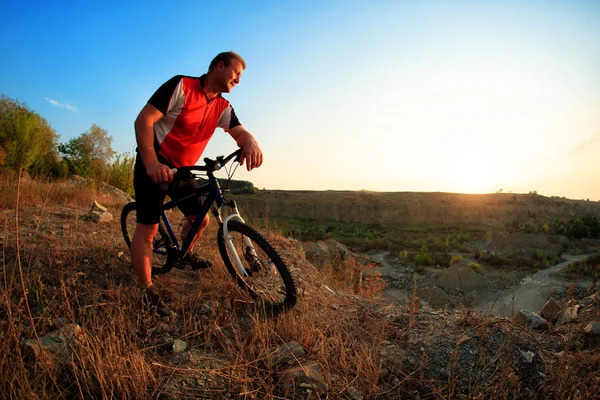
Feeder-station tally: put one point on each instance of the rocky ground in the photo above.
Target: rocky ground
(79, 331)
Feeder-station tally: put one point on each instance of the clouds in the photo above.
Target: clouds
(61, 105)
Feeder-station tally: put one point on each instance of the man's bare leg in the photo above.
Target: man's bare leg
(141, 260)
(188, 225)
(141, 252)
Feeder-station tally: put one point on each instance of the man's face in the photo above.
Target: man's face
(230, 75)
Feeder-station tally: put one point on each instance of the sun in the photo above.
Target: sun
(473, 174)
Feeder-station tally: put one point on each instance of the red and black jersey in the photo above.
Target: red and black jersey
(190, 119)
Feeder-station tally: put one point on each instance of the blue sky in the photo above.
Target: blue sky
(456, 96)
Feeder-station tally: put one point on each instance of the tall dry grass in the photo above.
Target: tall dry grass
(58, 268)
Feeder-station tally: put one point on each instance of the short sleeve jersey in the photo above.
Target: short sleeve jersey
(190, 119)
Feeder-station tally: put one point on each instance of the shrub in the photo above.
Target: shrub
(423, 257)
(476, 268)
(403, 254)
(456, 258)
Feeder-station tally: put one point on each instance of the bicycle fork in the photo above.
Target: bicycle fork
(250, 253)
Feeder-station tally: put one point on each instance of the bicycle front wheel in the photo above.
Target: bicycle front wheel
(265, 276)
(161, 244)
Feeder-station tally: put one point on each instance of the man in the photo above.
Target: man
(172, 130)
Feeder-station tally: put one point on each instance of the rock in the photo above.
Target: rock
(531, 320)
(100, 217)
(593, 328)
(114, 192)
(327, 254)
(98, 207)
(551, 310)
(354, 393)
(286, 353)
(304, 376)
(569, 314)
(591, 300)
(527, 356)
(59, 346)
(179, 346)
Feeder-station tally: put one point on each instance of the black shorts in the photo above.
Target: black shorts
(150, 197)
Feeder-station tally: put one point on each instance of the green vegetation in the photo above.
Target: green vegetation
(456, 258)
(476, 267)
(89, 154)
(241, 187)
(536, 260)
(586, 226)
(422, 258)
(589, 267)
(392, 237)
(28, 143)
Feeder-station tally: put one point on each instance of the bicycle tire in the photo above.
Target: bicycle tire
(269, 257)
(165, 255)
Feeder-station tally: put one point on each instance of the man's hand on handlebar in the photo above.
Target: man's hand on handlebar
(159, 173)
(251, 155)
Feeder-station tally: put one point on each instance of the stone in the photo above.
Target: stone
(531, 320)
(286, 353)
(551, 310)
(59, 346)
(179, 346)
(569, 314)
(101, 217)
(593, 328)
(305, 376)
(98, 207)
(354, 393)
(527, 356)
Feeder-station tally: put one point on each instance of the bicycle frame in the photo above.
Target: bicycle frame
(212, 191)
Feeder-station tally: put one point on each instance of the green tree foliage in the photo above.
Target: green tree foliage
(120, 173)
(89, 154)
(27, 141)
(242, 187)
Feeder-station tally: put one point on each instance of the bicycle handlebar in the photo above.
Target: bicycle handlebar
(210, 164)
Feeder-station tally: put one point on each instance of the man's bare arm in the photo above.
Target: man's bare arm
(251, 152)
(144, 135)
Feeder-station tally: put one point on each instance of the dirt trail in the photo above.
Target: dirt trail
(532, 293)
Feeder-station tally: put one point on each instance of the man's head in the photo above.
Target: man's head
(225, 70)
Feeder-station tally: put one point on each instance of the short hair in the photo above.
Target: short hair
(226, 58)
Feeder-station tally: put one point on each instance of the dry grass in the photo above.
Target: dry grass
(58, 268)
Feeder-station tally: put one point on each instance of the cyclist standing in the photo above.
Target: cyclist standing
(172, 131)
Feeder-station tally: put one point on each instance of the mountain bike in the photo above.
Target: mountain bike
(250, 259)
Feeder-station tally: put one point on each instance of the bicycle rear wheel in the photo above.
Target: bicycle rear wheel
(163, 253)
(268, 279)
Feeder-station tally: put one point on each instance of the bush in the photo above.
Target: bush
(456, 258)
(476, 268)
(423, 257)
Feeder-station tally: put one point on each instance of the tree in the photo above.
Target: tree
(89, 154)
(121, 172)
(26, 139)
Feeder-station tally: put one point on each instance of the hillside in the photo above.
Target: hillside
(412, 207)
(67, 286)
